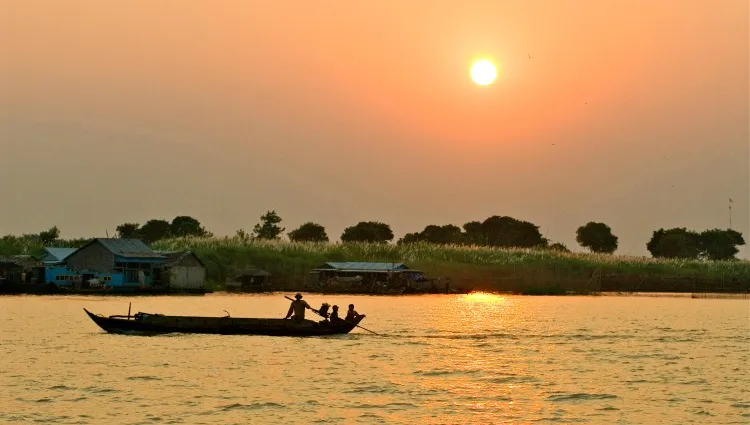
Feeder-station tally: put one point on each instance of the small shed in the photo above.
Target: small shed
(250, 279)
(10, 271)
(365, 272)
(183, 270)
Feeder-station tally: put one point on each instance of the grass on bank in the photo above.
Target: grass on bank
(292, 261)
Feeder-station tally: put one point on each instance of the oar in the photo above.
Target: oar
(317, 312)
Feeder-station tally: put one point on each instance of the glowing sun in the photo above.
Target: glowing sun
(483, 72)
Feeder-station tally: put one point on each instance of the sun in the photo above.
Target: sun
(483, 72)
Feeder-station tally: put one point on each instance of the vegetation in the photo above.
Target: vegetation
(368, 231)
(268, 228)
(714, 244)
(309, 232)
(597, 237)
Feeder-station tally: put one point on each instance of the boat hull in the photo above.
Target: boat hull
(153, 324)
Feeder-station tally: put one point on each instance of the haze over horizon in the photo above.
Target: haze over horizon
(631, 113)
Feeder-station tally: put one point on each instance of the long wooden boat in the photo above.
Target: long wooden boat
(156, 324)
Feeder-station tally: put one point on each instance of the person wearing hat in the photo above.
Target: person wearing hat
(298, 307)
(334, 314)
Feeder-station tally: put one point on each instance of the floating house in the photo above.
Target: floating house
(250, 279)
(54, 255)
(10, 271)
(364, 273)
(113, 262)
(183, 271)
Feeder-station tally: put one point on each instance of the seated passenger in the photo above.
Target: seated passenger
(352, 315)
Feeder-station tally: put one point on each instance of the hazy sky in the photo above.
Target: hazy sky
(634, 113)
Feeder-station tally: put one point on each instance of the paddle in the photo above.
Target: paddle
(317, 312)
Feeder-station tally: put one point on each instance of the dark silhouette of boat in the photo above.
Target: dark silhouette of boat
(156, 324)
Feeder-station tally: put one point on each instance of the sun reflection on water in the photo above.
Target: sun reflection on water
(485, 297)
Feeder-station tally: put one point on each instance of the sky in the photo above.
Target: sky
(633, 113)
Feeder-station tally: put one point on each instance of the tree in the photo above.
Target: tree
(128, 231)
(597, 237)
(309, 232)
(675, 243)
(473, 233)
(411, 238)
(50, 235)
(444, 235)
(720, 245)
(509, 232)
(154, 230)
(242, 235)
(183, 226)
(557, 246)
(368, 231)
(268, 228)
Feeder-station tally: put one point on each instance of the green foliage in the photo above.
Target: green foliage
(292, 261)
(186, 226)
(718, 245)
(242, 235)
(557, 246)
(368, 231)
(50, 235)
(128, 231)
(474, 234)
(447, 234)
(675, 243)
(309, 232)
(509, 232)
(597, 237)
(268, 228)
(154, 230)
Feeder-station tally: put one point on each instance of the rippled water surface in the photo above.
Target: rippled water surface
(442, 360)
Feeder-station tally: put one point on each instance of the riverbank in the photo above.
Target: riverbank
(481, 268)
(523, 271)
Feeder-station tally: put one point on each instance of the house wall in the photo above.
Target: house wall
(93, 257)
(187, 277)
(63, 276)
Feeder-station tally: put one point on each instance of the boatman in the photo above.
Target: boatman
(298, 307)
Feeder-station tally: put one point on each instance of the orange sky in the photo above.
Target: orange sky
(337, 112)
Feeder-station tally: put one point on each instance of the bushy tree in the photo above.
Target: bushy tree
(444, 235)
(675, 243)
(183, 226)
(309, 232)
(473, 233)
(128, 231)
(720, 245)
(557, 246)
(50, 235)
(155, 230)
(509, 232)
(268, 228)
(242, 235)
(368, 231)
(597, 237)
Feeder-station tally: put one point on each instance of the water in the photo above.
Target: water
(443, 360)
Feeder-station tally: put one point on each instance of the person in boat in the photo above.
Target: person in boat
(298, 307)
(352, 315)
(335, 314)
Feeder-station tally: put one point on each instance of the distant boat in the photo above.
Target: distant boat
(156, 324)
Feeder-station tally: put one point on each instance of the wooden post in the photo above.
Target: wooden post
(129, 304)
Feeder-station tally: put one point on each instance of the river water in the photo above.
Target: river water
(443, 359)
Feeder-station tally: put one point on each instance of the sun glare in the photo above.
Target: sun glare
(483, 72)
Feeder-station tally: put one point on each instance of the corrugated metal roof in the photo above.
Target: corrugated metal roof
(58, 254)
(175, 256)
(129, 248)
(363, 266)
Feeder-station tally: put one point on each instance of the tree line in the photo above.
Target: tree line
(495, 231)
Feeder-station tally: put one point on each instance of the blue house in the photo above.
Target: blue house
(53, 255)
(113, 262)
